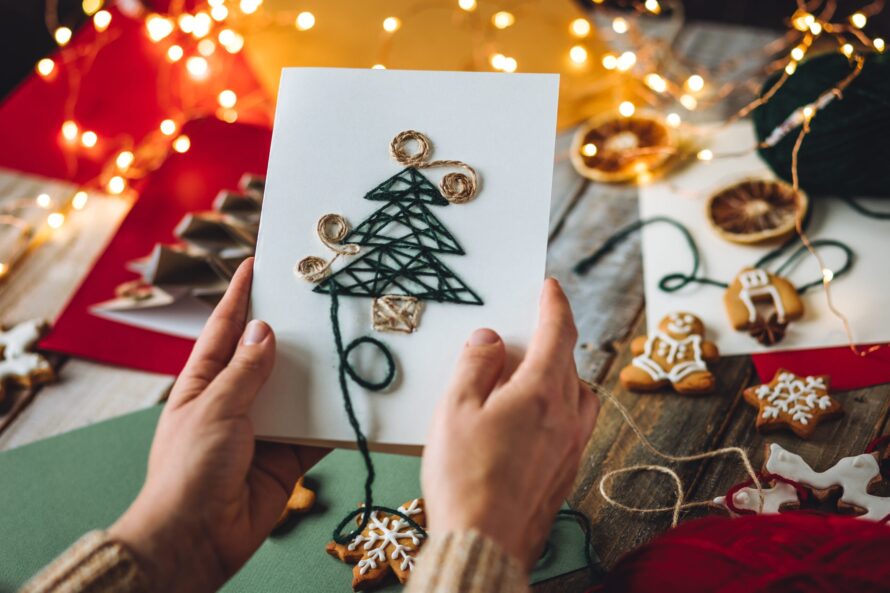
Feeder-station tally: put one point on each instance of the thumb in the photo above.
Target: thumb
(478, 368)
(237, 385)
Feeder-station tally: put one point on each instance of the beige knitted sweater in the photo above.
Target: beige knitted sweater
(466, 562)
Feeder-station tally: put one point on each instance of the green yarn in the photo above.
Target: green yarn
(847, 150)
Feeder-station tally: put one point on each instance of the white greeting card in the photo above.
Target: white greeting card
(330, 148)
(863, 294)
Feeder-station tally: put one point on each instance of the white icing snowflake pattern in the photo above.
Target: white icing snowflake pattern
(774, 498)
(797, 397)
(388, 531)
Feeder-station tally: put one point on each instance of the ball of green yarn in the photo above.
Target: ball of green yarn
(847, 151)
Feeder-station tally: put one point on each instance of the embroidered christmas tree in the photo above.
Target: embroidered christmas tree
(397, 265)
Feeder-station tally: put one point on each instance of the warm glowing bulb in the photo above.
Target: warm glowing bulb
(497, 61)
(158, 27)
(116, 185)
(44, 201)
(101, 20)
(305, 21)
(626, 61)
(791, 68)
(378, 67)
(203, 24)
(653, 6)
(79, 201)
(510, 64)
(656, 82)
(219, 13)
(620, 26)
(503, 19)
(197, 67)
(206, 47)
(673, 120)
(803, 21)
(391, 24)
(249, 6)
(858, 20)
(55, 220)
(182, 144)
(168, 127)
(695, 83)
(213, 3)
(827, 275)
(847, 49)
(89, 139)
(62, 35)
(174, 53)
(626, 108)
(45, 67)
(233, 42)
(688, 101)
(91, 6)
(580, 27)
(70, 131)
(816, 28)
(808, 112)
(468, 5)
(879, 44)
(186, 22)
(589, 149)
(798, 53)
(227, 99)
(124, 159)
(578, 54)
(228, 115)
(610, 62)
(705, 155)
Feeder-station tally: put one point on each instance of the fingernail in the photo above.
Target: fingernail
(256, 332)
(483, 337)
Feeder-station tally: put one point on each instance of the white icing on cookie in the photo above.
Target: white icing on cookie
(684, 356)
(22, 366)
(385, 532)
(19, 339)
(680, 323)
(756, 283)
(773, 499)
(852, 474)
(798, 397)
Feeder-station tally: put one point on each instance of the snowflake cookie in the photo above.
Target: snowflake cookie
(674, 355)
(300, 501)
(790, 401)
(779, 497)
(18, 365)
(387, 544)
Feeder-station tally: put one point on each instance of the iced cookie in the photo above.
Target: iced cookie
(754, 286)
(796, 403)
(300, 501)
(19, 366)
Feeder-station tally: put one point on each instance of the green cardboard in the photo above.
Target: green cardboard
(54, 491)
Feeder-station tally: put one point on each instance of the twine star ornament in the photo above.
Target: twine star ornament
(799, 403)
(387, 545)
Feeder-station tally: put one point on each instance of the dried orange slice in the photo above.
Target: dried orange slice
(756, 210)
(614, 149)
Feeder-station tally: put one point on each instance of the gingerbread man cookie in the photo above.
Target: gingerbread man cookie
(388, 544)
(19, 366)
(852, 476)
(789, 401)
(674, 355)
(300, 501)
(754, 286)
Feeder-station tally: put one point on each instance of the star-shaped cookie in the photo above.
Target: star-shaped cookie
(300, 501)
(387, 544)
(19, 366)
(793, 402)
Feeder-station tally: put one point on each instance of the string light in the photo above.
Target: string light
(879, 44)
(847, 49)
(798, 53)
(626, 61)
(589, 150)
(229, 116)
(124, 159)
(653, 6)
(116, 185)
(44, 201)
(626, 108)
(206, 47)
(391, 24)
(378, 67)
(656, 82)
(250, 6)
(62, 36)
(673, 120)
(197, 67)
(101, 20)
(578, 54)
(503, 19)
(610, 61)
(168, 127)
(791, 68)
(70, 131)
(227, 99)
(858, 20)
(219, 13)
(803, 21)
(305, 21)
(233, 42)
(182, 144)
(89, 139)
(55, 220)
(705, 155)
(202, 26)
(497, 61)
(158, 27)
(79, 201)
(468, 5)
(510, 64)
(186, 22)
(695, 83)
(689, 102)
(816, 28)
(620, 26)
(827, 275)
(91, 6)
(580, 28)
(45, 67)
(174, 53)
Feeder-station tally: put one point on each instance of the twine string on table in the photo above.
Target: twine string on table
(457, 188)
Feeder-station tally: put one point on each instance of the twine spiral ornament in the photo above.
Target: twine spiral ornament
(331, 230)
(456, 187)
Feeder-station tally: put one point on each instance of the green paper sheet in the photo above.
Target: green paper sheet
(54, 491)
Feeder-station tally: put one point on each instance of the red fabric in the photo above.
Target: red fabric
(847, 370)
(788, 553)
(127, 93)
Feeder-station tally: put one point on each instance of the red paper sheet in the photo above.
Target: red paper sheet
(125, 92)
(847, 370)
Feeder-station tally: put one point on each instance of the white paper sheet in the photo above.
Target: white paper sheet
(330, 147)
(178, 315)
(863, 295)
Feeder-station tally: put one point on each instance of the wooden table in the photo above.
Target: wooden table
(608, 305)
